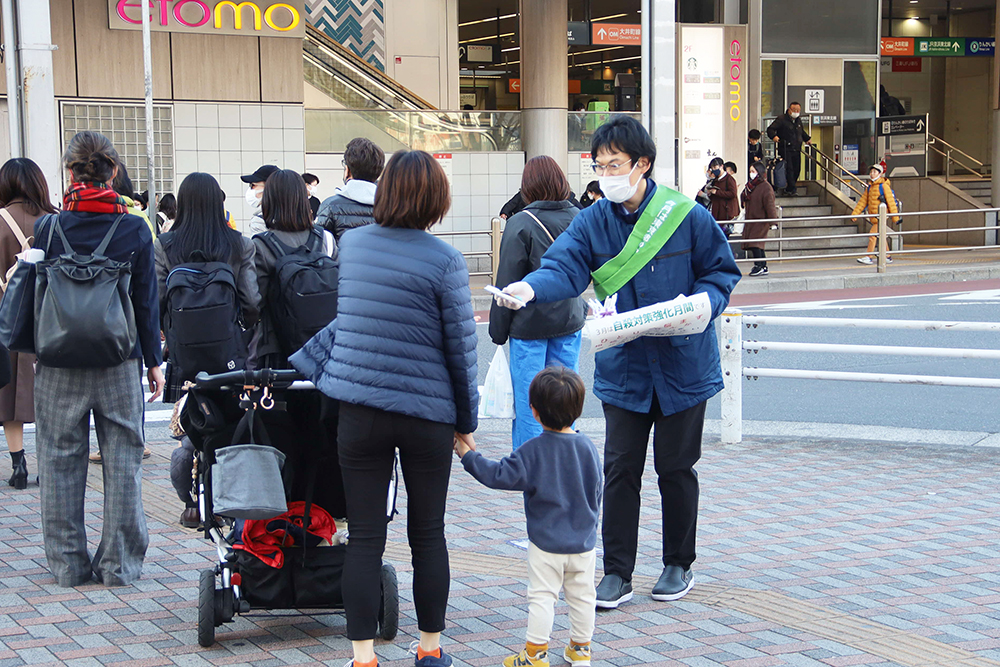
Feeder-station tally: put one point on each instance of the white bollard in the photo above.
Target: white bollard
(732, 374)
(883, 251)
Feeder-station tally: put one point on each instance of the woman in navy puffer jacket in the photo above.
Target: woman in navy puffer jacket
(401, 358)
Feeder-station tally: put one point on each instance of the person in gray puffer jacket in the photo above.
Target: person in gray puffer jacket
(351, 206)
(401, 359)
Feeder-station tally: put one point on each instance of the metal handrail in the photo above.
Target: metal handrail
(949, 159)
(830, 172)
(938, 140)
(732, 347)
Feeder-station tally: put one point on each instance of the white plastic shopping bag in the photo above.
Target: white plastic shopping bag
(496, 397)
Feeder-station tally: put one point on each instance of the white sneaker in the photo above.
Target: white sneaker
(888, 260)
(865, 260)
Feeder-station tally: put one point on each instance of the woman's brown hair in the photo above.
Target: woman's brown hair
(90, 156)
(543, 180)
(285, 204)
(22, 180)
(413, 193)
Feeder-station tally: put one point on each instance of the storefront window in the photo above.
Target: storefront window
(860, 86)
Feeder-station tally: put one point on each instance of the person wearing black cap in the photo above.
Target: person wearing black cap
(254, 193)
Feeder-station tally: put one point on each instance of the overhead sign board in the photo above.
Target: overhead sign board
(890, 125)
(938, 46)
(479, 53)
(578, 33)
(629, 34)
(907, 64)
(980, 47)
(820, 103)
(261, 18)
(897, 46)
(514, 86)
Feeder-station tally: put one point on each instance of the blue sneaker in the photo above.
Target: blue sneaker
(430, 660)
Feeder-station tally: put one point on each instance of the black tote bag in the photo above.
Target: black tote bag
(17, 309)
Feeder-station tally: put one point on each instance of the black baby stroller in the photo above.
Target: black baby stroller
(267, 561)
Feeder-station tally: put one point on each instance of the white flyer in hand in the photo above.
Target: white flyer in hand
(682, 316)
(513, 302)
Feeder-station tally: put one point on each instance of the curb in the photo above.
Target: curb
(854, 281)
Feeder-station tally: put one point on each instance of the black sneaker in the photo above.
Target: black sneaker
(674, 583)
(758, 271)
(613, 591)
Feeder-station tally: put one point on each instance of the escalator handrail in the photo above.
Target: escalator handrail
(320, 38)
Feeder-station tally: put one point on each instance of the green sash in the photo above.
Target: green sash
(658, 222)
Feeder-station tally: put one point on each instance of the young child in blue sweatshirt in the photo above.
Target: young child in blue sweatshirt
(560, 475)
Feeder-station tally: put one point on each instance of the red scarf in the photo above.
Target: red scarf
(93, 198)
(745, 197)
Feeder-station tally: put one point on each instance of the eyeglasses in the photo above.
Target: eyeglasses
(343, 163)
(602, 169)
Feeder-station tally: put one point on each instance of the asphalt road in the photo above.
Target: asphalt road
(813, 401)
(773, 399)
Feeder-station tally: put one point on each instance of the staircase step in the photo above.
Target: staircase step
(805, 211)
(844, 245)
(817, 222)
(819, 230)
(801, 200)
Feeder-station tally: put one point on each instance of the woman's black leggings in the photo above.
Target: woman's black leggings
(368, 439)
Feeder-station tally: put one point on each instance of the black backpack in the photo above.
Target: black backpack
(202, 319)
(303, 292)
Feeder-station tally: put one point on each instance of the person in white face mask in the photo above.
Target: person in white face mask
(647, 244)
(312, 184)
(253, 195)
(789, 135)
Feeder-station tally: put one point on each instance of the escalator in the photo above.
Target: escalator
(348, 80)
(367, 103)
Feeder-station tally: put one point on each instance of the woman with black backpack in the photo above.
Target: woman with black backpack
(99, 373)
(297, 274)
(207, 269)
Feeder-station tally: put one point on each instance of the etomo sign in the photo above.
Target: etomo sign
(262, 18)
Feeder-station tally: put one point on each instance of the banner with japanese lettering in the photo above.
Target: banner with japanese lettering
(683, 316)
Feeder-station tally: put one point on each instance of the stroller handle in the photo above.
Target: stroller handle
(263, 378)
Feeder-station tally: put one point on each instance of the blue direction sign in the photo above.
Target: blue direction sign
(980, 47)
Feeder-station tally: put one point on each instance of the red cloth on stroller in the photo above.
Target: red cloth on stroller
(265, 538)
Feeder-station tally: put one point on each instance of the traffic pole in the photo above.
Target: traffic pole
(147, 64)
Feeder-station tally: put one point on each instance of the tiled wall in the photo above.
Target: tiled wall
(481, 184)
(229, 140)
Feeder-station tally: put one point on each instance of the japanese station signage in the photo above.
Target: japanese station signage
(261, 18)
(616, 33)
(928, 47)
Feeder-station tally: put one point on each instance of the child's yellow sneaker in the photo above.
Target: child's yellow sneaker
(576, 655)
(522, 659)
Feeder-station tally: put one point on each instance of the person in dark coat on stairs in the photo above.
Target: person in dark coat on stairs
(758, 201)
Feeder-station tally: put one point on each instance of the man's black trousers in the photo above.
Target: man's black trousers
(676, 449)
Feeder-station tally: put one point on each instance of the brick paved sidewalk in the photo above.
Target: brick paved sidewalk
(810, 553)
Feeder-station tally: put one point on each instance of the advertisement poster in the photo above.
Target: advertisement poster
(444, 159)
(711, 100)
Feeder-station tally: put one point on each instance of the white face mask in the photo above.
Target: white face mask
(253, 200)
(618, 188)
(753, 175)
(794, 114)
(311, 189)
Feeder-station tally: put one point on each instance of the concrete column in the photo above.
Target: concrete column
(39, 121)
(544, 79)
(661, 89)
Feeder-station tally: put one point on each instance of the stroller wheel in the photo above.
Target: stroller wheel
(388, 620)
(206, 608)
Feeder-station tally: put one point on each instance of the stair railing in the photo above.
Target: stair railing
(949, 153)
(830, 167)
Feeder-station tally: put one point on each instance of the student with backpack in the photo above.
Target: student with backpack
(207, 285)
(297, 273)
(85, 375)
(879, 192)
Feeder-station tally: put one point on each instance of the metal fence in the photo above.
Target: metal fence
(883, 235)
(494, 232)
(732, 347)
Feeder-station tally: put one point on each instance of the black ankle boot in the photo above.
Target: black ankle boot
(19, 463)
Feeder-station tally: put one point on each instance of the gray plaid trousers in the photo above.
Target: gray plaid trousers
(64, 401)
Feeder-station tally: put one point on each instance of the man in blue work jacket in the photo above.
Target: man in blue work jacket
(648, 244)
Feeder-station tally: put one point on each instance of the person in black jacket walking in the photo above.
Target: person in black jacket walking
(351, 206)
(540, 335)
(787, 132)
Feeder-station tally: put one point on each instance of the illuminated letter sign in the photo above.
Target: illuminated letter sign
(734, 81)
(271, 18)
